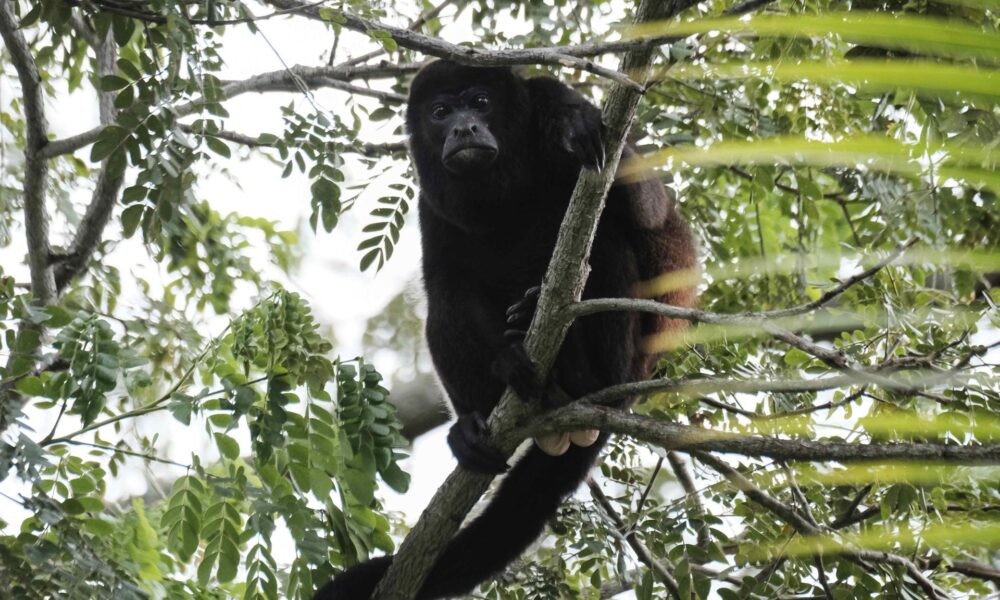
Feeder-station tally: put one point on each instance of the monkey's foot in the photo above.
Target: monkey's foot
(467, 439)
(556, 444)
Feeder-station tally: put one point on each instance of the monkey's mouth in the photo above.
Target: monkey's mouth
(470, 157)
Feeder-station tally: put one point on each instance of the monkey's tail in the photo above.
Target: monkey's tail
(529, 495)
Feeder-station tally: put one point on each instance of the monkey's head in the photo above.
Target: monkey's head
(463, 120)
(471, 137)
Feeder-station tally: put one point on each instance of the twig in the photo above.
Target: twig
(465, 54)
(747, 6)
(861, 495)
(821, 576)
(640, 506)
(804, 527)
(127, 452)
(151, 17)
(842, 362)
(589, 307)
(612, 394)
(630, 537)
(691, 492)
(414, 25)
(368, 149)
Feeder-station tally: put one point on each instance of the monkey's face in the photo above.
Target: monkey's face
(459, 123)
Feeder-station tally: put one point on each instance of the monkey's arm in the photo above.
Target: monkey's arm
(568, 123)
(464, 338)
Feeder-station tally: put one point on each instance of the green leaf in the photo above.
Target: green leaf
(111, 83)
(218, 146)
(229, 447)
(131, 217)
(31, 386)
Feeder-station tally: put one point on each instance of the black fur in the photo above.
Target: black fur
(488, 234)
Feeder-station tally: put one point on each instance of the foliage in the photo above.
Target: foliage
(804, 144)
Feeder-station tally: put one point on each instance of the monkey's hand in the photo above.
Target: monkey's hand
(467, 439)
(582, 133)
(512, 364)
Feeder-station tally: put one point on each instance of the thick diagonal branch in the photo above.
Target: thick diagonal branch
(563, 285)
(36, 218)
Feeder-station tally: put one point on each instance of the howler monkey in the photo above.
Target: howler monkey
(497, 156)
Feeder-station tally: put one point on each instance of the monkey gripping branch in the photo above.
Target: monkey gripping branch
(562, 286)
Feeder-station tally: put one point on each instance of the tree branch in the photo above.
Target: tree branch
(804, 527)
(680, 470)
(105, 196)
(466, 55)
(688, 438)
(612, 394)
(294, 78)
(36, 218)
(589, 307)
(251, 141)
(562, 285)
(630, 538)
(414, 25)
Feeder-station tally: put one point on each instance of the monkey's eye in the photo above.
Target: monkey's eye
(439, 111)
(480, 102)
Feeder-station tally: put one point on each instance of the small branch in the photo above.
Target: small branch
(250, 141)
(856, 518)
(849, 513)
(821, 576)
(804, 527)
(680, 469)
(465, 54)
(151, 17)
(844, 363)
(84, 30)
(746, 6)
(611, 395)
(629, 536)
(969, 568)
(589, 307)
(102, 202)
(280, 80)
(414, 25)
(640, 506)
(687, 438)
(786, 513)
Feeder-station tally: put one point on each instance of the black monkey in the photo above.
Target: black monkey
(497, 156)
